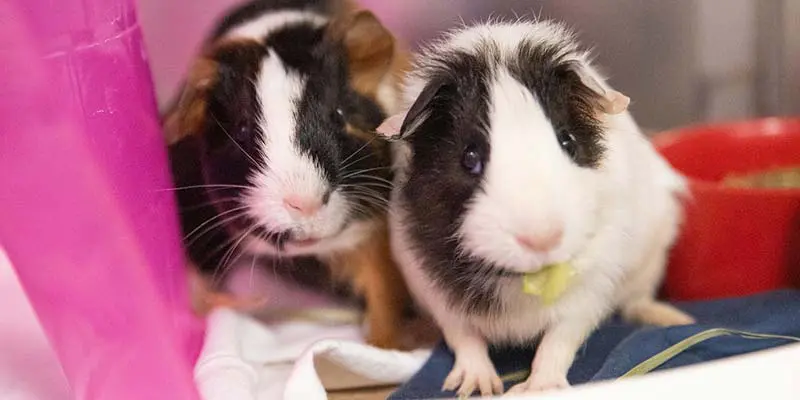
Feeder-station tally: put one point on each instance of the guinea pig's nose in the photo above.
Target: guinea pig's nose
(541, 241)
(302, 205)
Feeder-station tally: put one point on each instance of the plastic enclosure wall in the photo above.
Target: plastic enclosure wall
(87, 216)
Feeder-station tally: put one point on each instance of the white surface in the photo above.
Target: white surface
(28, 367)
(772, 374)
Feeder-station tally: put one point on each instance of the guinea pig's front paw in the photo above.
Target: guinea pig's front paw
(473, 372)
(539, 383)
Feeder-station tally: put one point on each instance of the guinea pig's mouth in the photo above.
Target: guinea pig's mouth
(506, 273)
(281, 239)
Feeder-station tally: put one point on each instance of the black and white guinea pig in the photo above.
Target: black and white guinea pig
(513, 153)
(274, 152)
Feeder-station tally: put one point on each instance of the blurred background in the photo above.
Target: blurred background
(680, 61)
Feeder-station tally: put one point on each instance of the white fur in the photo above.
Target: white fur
(287, 171)
(506, 36)
(618, 221)
(260, 27)
(525, 149)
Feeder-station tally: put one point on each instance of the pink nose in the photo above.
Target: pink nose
(304, 206)
(541, 241)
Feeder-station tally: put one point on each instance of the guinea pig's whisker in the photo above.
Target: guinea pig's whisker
(215, 217)
(345, 164)
(350, 160)
(362, 202)
(209, 229)
(214, 186)
(354, 162)
(213, 252)
(375, 188)
(252, 271)
(238, 212)
(227, 260)
(358, 150)
(255, 163)
(368, 190)
(361, 209)
(216, 201)
(370, 194)
(365, 170)
(369, 185)
(275, 261)
(371, 202)
(234, 258)
(368, 177)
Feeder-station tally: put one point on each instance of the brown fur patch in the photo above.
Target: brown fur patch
(372, 271)
(188, 114)
(375, 59)
(374, 56)
(203, 298)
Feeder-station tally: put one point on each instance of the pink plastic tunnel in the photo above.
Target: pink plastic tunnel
(87, 216)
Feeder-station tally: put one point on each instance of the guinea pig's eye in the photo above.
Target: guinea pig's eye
(568, 143)
(243, 133)
(471, 161)
(340, 114)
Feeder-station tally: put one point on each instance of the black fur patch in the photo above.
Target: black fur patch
(568, 103)
(451, 115)
(438, 188)
(328, 103)
(230, 131)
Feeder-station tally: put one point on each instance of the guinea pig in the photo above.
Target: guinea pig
(513, 153)
(275, 157)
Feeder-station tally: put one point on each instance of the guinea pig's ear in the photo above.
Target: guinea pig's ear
(609, 101)
(369, 45)
(188, 112)
(399, 126)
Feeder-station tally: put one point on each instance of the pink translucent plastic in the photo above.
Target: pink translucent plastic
(86, 214)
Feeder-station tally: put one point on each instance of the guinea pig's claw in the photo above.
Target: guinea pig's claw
(474, 375)
(539, 384)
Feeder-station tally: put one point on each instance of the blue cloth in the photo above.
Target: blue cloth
(616, 346)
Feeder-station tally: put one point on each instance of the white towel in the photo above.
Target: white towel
(243, 359)
(247, 359)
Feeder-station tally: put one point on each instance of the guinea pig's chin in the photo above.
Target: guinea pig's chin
(522, 267)
(306, 243)
(293, 248)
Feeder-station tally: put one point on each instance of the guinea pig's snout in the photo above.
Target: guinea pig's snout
(303, 206)
(541, 241)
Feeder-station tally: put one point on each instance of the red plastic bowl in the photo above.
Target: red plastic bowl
(734, 241)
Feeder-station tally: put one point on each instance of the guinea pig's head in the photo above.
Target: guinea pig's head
(505, 147)
(284, 115)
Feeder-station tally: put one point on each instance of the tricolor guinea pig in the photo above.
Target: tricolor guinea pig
(274, 153)
(514, 154)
